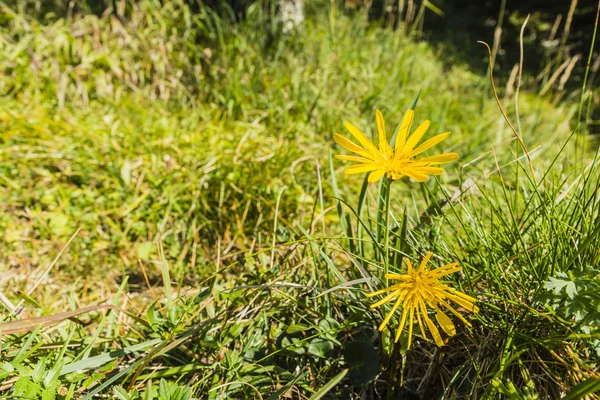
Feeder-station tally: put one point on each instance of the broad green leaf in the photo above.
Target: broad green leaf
(363, 361)
(320, 347)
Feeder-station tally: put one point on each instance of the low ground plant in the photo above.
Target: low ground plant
(176, 222)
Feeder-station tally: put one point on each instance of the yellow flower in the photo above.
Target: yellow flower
(419, 290)
(399, 161)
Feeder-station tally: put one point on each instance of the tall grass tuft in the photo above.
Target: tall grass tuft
(168, 182)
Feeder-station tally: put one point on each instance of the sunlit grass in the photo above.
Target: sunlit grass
(211, 141)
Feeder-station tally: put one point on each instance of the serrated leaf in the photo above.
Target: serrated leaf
(48, 393)
(557, 285)
(24, 387)
(120, 393)
(571, 290)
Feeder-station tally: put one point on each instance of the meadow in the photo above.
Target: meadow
(174, 223)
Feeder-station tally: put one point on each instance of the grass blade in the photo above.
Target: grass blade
(26, 325)
(344, 219)
(99, 360)
(329, 385)
(589, 386)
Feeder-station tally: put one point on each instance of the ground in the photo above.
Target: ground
(179, 167)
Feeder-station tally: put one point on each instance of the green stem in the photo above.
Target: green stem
(386, 260)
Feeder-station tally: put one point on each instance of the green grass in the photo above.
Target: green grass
(211, 140)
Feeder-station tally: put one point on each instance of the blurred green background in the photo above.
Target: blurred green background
(207, 127)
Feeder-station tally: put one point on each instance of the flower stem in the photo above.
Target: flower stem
(386, 261)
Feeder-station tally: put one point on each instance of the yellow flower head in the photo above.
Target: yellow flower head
(422, 289)
(400, 161)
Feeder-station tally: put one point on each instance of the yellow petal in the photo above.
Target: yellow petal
(444, 267)
(445, 323)
(416, 136)
(419, 320)
(429, 143)
(446, 272)
(453, 311)
(462, 302)
(441, 271)
(402, 323)
(403, 132)
(462, 295)
(425, 261)
(416, 175)
(362, 139)
(409, 266)
(398, 277)
(353, 147)
(386, 299)
(388, 289)
(389, 316)
(396, 175)
(434, 331)
(347, 144)
(357, 169)
(353, 158)
(381, 130)
(376, 175)
(410, 327)
(439, 159)
(430, 170)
